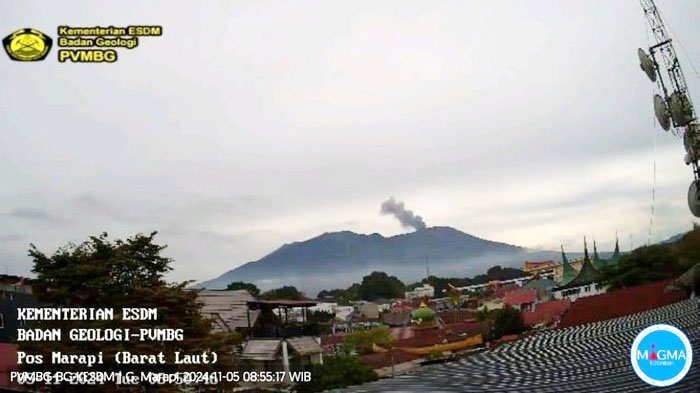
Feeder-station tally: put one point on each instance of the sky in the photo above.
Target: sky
(251, 124)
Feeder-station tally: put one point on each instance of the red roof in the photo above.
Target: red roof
(535, 265)
(381, 360)
(456, 316)
(470, 328)
(520, 296)
(330, 341)
(620, 303)
(546, 312)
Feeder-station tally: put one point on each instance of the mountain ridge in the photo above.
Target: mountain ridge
(336, 259)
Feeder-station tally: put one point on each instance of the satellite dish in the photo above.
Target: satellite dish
(681, 111)
(647, 64)
(661, 110)
(694, 198)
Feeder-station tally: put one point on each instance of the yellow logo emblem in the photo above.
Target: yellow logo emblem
(27, 45)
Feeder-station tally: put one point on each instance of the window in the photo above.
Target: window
(2, 322)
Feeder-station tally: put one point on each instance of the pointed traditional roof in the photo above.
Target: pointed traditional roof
(598, 262)
(616, 254)
(587, 275)
(568, 273)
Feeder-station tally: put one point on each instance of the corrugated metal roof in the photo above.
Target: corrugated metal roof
(228, 308)
(304, 345)
(261, 349)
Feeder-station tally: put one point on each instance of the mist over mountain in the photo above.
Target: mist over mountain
(337, 259)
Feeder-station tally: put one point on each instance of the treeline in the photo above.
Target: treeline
(656, 262)
(495, 273)
(379, 285)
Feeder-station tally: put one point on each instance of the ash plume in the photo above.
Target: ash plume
(407, 218)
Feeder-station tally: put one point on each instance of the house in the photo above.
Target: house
(228, 309)
(281, 354)
(423, 291)
(546, 313)
(521, 299)
(585, 282)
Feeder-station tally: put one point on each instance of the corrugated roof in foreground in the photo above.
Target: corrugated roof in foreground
(586, 358)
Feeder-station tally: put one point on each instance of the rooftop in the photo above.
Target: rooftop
(520, 296)
(589, 358)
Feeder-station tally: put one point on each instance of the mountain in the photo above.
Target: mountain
(337, 259)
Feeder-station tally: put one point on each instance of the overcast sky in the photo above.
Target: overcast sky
(252, 124)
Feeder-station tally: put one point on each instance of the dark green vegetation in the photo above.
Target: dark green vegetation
(103, 273)
(655, 262)
(506, 321)
(251, 288)
(377, 285)
(337, 372)
(286, 292)
(494, 273)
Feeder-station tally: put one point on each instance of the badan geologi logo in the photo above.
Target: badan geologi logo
(27, 45)
(661, 355)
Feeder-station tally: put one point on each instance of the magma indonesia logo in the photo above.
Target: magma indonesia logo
(661, 355)
(27, 45)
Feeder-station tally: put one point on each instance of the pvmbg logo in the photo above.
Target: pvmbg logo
(661, 355)
(27, 45)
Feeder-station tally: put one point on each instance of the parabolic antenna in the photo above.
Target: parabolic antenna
(681, 111)
(647, 64)
(694, 198)
(661, 111)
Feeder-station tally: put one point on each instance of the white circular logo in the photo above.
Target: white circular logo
(661, 355)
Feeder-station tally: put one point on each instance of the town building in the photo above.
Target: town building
(582, 283)
(423, 291)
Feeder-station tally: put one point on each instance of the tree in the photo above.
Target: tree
(251, 288)
(100, 273)
(506, 321)
(380, 285)
(337, 372)
(286, 292)
(360, 341)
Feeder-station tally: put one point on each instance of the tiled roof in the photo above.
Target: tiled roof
(381, 360)
(520, 296)
(546, 312)
(589, 358)
(471, 328)
(534, 265)
(455, 316)
(620, 303)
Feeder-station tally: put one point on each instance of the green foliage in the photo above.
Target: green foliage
(494, 273)
(286, 292)
(380, 285)
(337, 372)
(251, 288)
(377, 285)
(342, 296)
(360, 341)
(101, 273)
(656, 262)
(506, 321)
